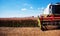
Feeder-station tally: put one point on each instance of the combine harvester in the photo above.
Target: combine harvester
(50, 20)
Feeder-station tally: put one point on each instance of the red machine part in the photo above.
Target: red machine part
(50, 22)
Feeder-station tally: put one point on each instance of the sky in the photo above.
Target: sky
(23, 8)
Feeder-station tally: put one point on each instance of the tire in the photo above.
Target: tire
(43, 28)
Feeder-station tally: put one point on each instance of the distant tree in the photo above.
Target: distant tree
(32, 16)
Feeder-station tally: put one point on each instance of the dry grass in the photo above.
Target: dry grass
(27, 31)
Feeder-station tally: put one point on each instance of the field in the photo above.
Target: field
(23, 27)
(27, 31)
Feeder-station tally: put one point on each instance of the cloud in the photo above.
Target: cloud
(31, 7)
(23, 9)
(26, 5)
(38, 8)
